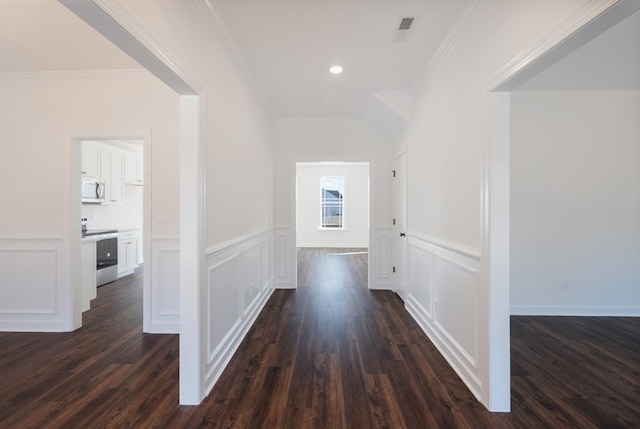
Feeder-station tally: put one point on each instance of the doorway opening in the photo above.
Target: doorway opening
(112, 217)
(332, 205)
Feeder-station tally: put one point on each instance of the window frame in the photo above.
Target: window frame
(340, 203)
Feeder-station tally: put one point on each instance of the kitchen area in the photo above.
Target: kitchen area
(112, 176)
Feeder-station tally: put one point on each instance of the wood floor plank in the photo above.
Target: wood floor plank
(331, 354)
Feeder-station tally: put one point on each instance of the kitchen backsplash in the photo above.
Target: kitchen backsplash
(126, 215)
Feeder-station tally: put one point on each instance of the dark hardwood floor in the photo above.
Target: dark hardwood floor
(331, 354)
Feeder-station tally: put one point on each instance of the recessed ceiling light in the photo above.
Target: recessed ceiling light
(335, 69)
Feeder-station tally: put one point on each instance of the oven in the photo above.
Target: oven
(106, 254)
(107, 259)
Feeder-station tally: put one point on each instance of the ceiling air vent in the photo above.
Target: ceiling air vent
(406, 23)
(403, 30)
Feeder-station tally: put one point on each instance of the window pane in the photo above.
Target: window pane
(332, 203)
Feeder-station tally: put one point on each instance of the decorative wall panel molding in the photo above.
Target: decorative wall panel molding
(443, 284)
(285, 270)
(239, 283)
(163, 312)
(33, 300)
(381, 259)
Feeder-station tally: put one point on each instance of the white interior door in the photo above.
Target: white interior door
(400, 225)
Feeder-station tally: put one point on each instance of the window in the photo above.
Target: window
(332, 202)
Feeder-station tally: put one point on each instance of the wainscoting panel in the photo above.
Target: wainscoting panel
(163, 294)
(284, 255)
(443, 297)
(32, 296)
(420, 279)
(380, 259)
(239, 283)
(456, 294)
(252, 273)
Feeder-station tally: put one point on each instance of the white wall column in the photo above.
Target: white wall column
(191, 252)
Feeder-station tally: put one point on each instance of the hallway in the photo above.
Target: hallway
(331, 354)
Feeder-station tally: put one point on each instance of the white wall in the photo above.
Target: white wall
(317, 140)
(575, 202)
(40, 114)
(355, 232)
(446, 143)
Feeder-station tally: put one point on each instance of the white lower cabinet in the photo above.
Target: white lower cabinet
(88, 276)
(128, 243)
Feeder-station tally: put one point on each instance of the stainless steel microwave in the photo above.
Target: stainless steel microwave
(92, 190)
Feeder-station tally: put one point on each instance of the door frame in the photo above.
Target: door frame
(585, 25)
(395, 230)
(293, 253)
(114, 23)
(75, 139)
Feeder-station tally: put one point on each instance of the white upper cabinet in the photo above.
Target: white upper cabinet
(90, 159)
(112, 162)
(113, 165)
(133, 169)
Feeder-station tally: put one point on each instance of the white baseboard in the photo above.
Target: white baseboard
(575, 310)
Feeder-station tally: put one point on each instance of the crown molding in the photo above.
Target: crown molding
(456, 33)
(221, 29)
(320, 122)
(562, 40)
(129, 75)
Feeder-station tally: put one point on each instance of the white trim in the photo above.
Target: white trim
(332, 246)
(494, 290)
(572, 33)
(466, 363)
(468, 17)
(114, 23)
(238, 241)
(574, 310)
(155, 320)
(231, 258)
(292, 257)
(305, 122)
(217, 24)
(285, 258)
(55, 318)
(192, 233)
(73, 207)
(567, 36)
(446, 244)
(126, 75)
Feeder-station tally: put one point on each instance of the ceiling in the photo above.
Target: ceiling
(289, 46)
